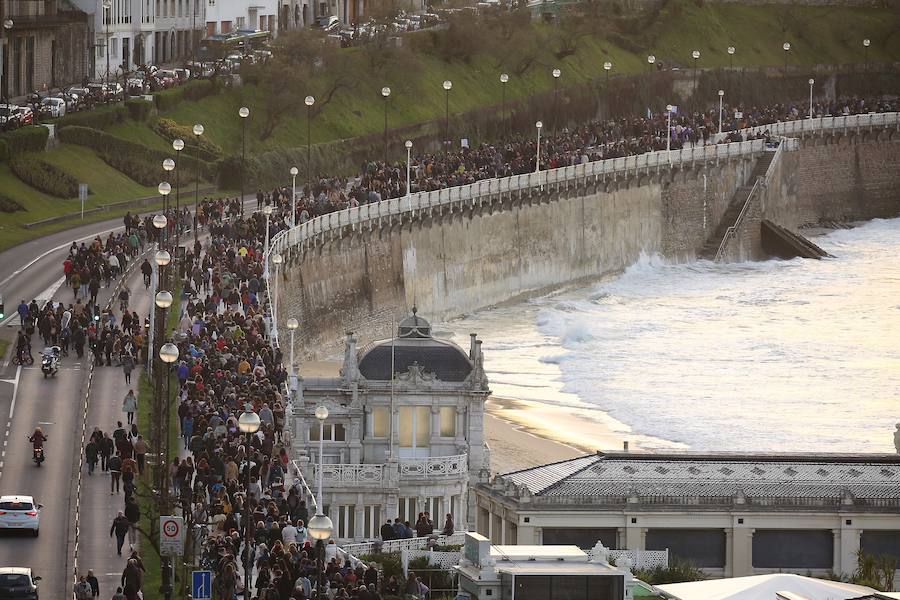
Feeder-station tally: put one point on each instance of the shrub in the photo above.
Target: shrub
(190, 91)
(44, 176)
(26, 139)
(8, 205)
(171, 130)
(135, 160)
(388, 561)
(99, 118)
(139, 109)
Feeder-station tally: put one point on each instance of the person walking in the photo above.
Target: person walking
(133, 514)
(120, 527)
(140, 452)
(95, 585)
(107, 446)
(82, 589)
(129, 404)
(114, 465)
(127, 367)
(91, 452)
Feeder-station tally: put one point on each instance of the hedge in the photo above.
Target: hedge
(171, 130)
(98, 118)
(192, 90)
(139, 109)
(135, 160)
(44, 176)
(8, 205)
(26, 139)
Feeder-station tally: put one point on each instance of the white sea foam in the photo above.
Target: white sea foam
(777, 355)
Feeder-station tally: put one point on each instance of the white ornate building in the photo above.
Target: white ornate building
(404, 433)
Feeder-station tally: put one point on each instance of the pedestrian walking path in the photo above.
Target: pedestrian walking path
(97, 550)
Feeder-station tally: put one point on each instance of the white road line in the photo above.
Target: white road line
(12, 406)
(41, 298)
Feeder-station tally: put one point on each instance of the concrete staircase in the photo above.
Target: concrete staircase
(711, 247)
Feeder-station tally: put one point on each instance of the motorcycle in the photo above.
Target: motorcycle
(50, 361)
(38, 457)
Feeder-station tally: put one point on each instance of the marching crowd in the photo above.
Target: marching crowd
(597, 140)
(233, 487)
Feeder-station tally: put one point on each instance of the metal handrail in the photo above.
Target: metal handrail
(731, 232)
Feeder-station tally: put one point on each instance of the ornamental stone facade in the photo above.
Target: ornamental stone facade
(404, 433)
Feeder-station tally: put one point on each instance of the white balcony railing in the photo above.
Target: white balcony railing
(434, 466)
(353, 475)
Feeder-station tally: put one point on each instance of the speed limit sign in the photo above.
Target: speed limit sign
(171, 536)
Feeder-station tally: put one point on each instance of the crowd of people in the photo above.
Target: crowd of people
(235, 488)
(597, 140)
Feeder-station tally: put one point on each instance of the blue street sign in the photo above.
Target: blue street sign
(201, 585)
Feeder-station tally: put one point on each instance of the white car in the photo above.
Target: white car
(20, 512)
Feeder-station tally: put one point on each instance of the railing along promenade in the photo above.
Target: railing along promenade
(474, 194)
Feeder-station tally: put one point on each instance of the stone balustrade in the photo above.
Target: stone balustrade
(388, 475)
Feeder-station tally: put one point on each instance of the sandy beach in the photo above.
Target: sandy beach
(524, 434)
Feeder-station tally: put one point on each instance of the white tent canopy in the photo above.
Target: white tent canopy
(765, 587)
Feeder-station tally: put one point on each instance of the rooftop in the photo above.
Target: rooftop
(873, 476)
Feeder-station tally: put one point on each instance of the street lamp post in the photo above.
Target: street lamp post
(178, 146)
(721, 97)
(408, 145)
(248, 423)
(504, 78)
(267, 210)
(107, 5)
(556, 75)
(696, 56)
(787, 48)
(866, 43)
(385, 93)
(651, 60)
(276, 260)
(447, 85)
(168, 167)
(320, 526)
(537, 159)
(168, 354)
(198, 131)
(731, 51)
(243, 113)
(7, 25)
(669, 109)
(607, 67)
(309, 101)
(811, 82)
(292, 325)
(294, 171)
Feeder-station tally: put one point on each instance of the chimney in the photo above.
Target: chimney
(472, 337)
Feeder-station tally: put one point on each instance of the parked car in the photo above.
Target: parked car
(53, 107)
(182, 74)
(327, 22)
(137, 86)
(26, 116)
(167, 78)
(9, 116)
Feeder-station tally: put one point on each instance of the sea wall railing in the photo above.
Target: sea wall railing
(307, 233)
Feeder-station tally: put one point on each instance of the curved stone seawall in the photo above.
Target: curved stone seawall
(468, 248)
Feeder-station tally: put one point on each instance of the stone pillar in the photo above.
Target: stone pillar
(359, 518)
(741, 552)
(635, 535)
(846, 561)
(435, 425)
(439, 519)
(729, 552)
(490, 524)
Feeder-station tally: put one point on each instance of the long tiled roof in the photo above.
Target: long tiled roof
(755, 476)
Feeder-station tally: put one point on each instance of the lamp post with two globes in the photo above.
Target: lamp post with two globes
(320, 526)
(248, 424)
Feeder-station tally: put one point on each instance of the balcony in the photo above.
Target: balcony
(433, 468)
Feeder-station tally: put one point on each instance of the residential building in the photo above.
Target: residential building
(404, 433)
(225, 16)
(45, 47)
(730, 514)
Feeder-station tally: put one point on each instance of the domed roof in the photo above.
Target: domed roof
(414, 345)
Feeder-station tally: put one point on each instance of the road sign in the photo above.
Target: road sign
(82, 195)
(201, 585)
(171, 536)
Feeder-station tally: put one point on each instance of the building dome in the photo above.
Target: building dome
(414, 346)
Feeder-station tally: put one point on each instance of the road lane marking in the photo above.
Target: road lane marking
(41, 298)
(12, 406)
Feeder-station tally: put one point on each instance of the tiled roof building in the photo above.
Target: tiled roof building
(732, 514)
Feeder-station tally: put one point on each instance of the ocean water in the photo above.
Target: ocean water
(797, 355)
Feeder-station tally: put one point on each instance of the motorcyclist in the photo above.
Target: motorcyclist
(52, 352)
(37, 440)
